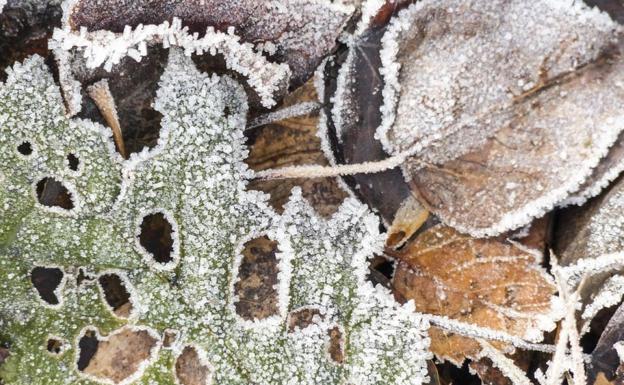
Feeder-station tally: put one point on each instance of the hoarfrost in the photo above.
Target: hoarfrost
(485, 106)
(609, 295)
(108, 48)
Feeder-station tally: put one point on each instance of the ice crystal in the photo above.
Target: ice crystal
(194, 179)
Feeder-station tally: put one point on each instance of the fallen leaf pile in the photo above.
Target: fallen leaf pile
(355, 192)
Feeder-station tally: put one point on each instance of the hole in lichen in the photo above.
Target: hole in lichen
(257, 278)
(87, 346)
(121, 355)
(83, 276)
(53, 193)
(46, 280)
(156, 237)
(381, 270)
(335, 345)
(55, 346)
(116, 294)
(25, 148)
(170, 337)
(189, 368)
(73, 161)
(302, 318)
(4, 354)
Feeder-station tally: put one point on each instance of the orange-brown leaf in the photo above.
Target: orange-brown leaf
(486, 282)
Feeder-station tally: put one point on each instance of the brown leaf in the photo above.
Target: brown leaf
(291, 142)
(589, 232)
(485, 282)
(501, 130)
(352, 138)
(304, 31)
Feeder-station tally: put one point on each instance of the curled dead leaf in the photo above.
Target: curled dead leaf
(407, 220)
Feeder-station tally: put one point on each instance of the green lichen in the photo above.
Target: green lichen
(196, 178)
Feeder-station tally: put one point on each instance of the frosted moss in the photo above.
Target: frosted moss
(195, 178)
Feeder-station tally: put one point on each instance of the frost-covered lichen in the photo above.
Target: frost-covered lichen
(195, 180)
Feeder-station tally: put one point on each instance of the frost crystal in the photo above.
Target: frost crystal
(182, 305)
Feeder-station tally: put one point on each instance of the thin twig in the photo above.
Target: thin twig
(317, 171)
(101, 95)
(506, 365)
(474, 331)
(293, 111)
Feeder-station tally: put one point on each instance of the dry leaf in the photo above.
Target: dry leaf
(557, 106)
(297, 32)
(407, 220)
(506, 106)
(485, 282)
(290, 142)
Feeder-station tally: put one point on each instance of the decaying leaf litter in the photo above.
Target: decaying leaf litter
(478, 132)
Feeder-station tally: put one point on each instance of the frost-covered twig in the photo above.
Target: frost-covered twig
(506, 365)
(317, 171)
(562, 361)
(474, 331)
(293, 111)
